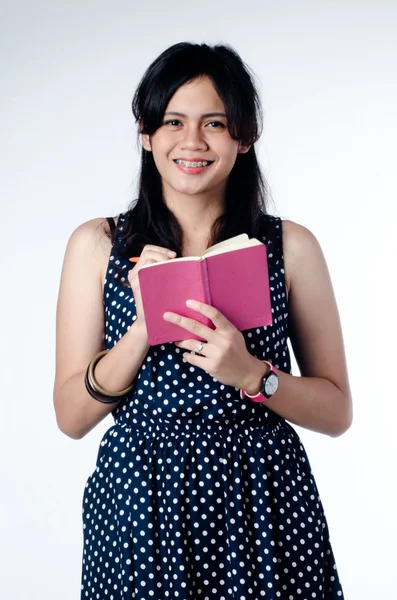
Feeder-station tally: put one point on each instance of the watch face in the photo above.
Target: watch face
(271, 384)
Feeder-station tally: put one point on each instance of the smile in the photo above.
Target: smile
(186, 163)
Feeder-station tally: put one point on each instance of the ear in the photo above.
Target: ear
(243, 148)
(146, 142)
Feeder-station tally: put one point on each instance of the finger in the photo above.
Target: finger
(218, 319)
(159, 249)
(134, 271)
(196, 346)
(141, 263)
(147, 258)
(196, 361)
(156, 255)
(190, 325)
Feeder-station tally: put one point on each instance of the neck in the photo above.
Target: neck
(195, 214)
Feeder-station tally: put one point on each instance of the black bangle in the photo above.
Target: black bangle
(98, 395)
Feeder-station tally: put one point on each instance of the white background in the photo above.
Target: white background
(68, 154)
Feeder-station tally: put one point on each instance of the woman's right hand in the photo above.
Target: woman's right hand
(149, 255)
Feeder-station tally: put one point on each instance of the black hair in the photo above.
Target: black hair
(148, 219)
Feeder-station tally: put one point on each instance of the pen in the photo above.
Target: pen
(134, 259)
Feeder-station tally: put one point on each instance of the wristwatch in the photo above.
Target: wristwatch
(269, 385)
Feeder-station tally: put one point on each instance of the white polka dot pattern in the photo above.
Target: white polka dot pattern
(197, 494)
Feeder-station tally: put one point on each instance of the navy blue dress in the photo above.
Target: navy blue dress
(196, 493)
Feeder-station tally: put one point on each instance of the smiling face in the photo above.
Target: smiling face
(192, 149)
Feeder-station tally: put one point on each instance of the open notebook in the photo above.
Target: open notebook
(231, 275)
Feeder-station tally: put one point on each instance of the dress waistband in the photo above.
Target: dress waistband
(197, 428)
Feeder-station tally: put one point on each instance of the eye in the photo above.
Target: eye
(216, 124)
(173, 122)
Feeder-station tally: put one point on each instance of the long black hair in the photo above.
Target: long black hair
(148, 219)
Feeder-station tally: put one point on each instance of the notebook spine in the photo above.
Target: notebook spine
(205, 282)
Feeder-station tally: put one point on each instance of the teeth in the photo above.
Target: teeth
(186, 163)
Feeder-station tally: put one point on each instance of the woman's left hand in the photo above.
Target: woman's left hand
(224, 354)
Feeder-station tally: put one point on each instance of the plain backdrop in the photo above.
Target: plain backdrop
(68, 153)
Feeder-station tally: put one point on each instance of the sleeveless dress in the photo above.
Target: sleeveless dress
(196, 493)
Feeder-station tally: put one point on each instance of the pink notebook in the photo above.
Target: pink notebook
(232, 276)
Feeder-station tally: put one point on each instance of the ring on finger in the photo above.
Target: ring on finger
(199, 348)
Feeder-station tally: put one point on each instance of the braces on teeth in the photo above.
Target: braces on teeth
(186, 163)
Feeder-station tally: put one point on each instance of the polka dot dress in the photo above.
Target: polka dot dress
(196, 493)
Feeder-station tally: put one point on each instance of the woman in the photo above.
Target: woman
(202, 489)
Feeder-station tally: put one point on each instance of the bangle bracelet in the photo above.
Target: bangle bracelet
(96, 385)
(98, 392)
(97, 395)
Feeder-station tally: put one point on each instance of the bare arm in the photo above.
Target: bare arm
(320, 399)
(80, 329)
(80, 334)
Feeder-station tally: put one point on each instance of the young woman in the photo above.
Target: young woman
(202, 489)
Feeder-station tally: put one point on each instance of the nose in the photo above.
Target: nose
(194, 138)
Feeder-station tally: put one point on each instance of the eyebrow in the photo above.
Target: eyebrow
(205, 116)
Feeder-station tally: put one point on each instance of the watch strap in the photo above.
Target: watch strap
(259, 397)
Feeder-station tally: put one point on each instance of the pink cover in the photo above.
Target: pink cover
(239, 286)
(167, 287)
(235, 282)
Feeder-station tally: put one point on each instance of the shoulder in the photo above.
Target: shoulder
(298, 239)
(300, 248)
(92, 230)
(90, 235)
(92, 240)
